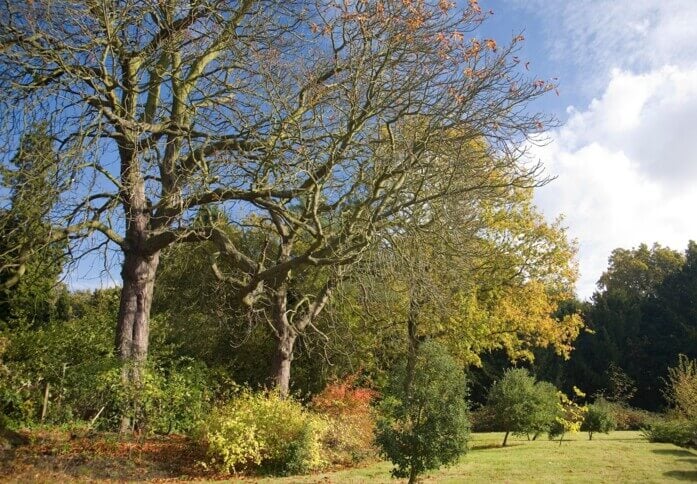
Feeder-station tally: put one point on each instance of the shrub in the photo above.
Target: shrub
(629, 418)
(66, 356)
(75, 360)
(264, 430)
(426, 426)
(165, 399)
(482, 419)
(520, 405)
(350, 435)
(598, 418)
(673, 431)
(682, 388)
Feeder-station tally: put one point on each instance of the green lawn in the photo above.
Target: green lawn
(615, 458)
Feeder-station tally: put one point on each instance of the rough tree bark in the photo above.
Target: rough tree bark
(288, 329)
(138, 278)
(285, 341)
(133, 325)
(134, 311)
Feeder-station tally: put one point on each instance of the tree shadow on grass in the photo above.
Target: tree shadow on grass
(619, 437)
(494, 446)
(674, 452)
(682, 475)
(685, 456)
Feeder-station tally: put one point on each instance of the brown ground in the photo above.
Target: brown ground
(61, 456)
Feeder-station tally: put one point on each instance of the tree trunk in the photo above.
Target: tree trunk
(281, 365)
(413, 343)
(285, 341)
(133, 326)
(505, 439)
(413, 475)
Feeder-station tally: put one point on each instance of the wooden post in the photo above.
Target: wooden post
(44, 408)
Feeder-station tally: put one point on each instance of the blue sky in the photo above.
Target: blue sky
(623, 156)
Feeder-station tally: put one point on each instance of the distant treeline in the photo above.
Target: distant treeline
(638, 322)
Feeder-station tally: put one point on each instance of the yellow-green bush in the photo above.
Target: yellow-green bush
(265, 431)
(682, 388)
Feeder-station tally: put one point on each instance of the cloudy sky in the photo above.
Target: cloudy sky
(624, 156)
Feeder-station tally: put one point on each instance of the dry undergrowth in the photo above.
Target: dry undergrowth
(60, 456)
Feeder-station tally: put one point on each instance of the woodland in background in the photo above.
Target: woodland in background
(640, 319)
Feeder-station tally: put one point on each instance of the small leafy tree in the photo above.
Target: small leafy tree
(520, 405)
(545, 408)
(680, 426)
(427, 425)
(570, 417)
(598, 418)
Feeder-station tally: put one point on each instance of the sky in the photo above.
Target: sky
(623, 156)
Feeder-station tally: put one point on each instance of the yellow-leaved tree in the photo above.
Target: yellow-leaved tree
(478, 277)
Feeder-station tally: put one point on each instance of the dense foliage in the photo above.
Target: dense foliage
(348, 408)
(518, 404)
(673, 431)
(599, 418)
(640, 319)
(681, 388)
(263, 429)
(679, 425)
(425, 425)
(65, 370)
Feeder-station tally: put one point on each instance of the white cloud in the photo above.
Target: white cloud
(626, 167)
(596, 36)
(650, 117)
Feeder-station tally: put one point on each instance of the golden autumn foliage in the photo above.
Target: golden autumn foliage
(477, 285)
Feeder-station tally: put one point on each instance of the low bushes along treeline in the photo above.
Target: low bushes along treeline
(418, 417)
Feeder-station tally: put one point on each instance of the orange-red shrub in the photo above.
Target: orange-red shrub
(352, 421)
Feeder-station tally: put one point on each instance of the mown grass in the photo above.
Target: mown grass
(615, 458)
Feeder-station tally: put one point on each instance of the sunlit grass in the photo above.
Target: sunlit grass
(615, 458)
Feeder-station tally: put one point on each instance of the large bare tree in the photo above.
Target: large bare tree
(158, 108)
(322, 119)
